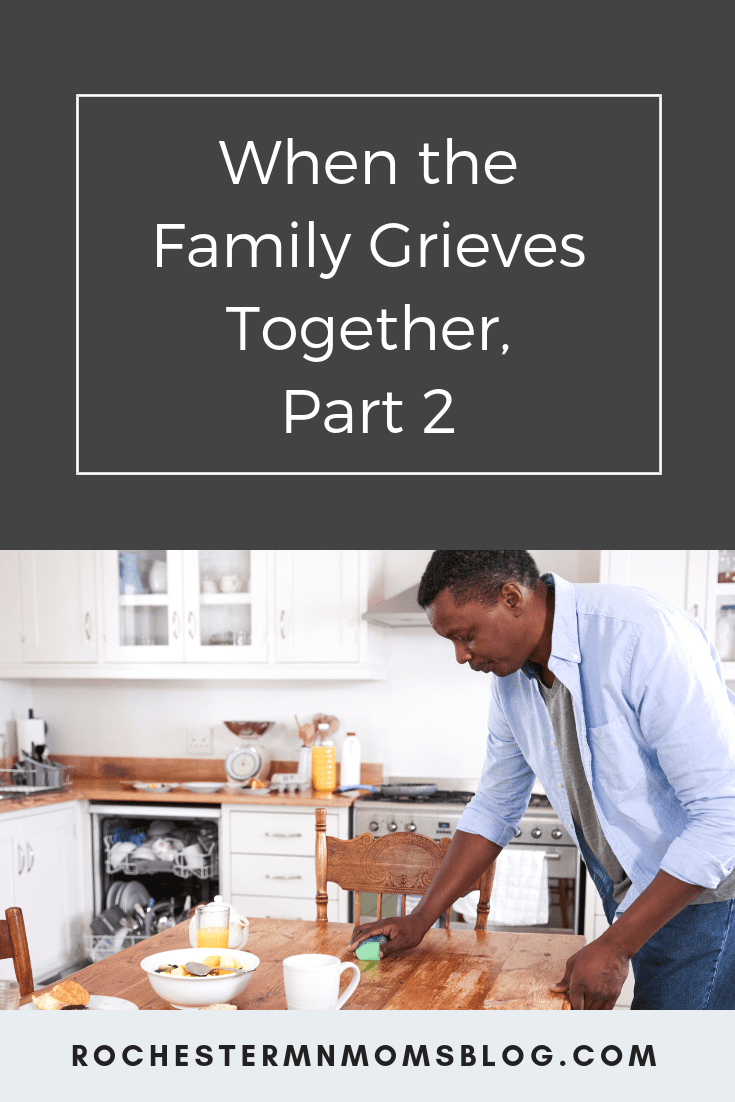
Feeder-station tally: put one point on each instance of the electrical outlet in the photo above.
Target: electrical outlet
(199, 741)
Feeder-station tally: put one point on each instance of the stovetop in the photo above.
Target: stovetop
(444, 795)
(441, 796)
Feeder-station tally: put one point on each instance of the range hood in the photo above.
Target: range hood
(401, 611)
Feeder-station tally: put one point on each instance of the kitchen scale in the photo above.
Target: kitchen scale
(251, 761)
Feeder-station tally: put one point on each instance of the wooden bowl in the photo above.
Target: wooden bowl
(247, 728)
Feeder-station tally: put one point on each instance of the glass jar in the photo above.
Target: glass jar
(725, 636)
(9, 995)
(212, 926)
(726, 568)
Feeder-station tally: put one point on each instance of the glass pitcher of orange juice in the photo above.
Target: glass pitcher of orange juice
(212, 926)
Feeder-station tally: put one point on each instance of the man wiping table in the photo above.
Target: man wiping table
(614, 698)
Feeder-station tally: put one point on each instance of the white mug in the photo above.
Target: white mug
(312, 982)
(194, 856)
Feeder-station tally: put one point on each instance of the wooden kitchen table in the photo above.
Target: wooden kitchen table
(450, 970)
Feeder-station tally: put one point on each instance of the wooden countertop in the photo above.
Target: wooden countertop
(112, 791)
(450, 970)
(102, 779)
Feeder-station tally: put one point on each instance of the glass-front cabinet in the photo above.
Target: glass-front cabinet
(224, 602)
(174, 606)
(144, 613)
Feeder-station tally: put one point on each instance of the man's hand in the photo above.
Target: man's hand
(402, 933)
(594, 977)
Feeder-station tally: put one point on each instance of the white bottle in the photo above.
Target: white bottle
(350, 773)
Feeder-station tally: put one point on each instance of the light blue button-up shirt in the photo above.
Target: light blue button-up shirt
(656, 729)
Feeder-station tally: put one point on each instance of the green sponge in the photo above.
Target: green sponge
(370, 949)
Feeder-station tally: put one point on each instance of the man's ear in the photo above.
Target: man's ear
(511, 596)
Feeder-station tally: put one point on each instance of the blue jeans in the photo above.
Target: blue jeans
(689, 964)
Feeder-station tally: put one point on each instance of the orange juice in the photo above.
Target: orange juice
(323, 768)
(212, 925)
(213, 937)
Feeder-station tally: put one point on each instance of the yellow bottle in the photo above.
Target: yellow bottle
(324, 766)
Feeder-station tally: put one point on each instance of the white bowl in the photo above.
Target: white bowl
(189, 992)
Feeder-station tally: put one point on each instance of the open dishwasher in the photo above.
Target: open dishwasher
(151, 864)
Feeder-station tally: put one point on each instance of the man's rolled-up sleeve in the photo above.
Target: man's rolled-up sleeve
(686, 716)
(505, 786)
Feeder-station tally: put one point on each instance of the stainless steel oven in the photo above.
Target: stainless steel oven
(437, 816)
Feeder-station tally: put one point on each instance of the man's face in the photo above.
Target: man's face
(498, 640)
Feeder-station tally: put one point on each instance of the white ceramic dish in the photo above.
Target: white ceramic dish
(144, 786)
(203, 786)
(98, 1002)
(133, 892)
(115, 891)
(240, 788)
(189, 993)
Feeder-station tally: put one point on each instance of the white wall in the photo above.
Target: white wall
(16, 697)
(426, 719)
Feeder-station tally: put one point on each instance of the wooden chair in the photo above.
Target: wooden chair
(13, 943)
(398, 864)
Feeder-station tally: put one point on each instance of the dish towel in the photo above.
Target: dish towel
(520, 895)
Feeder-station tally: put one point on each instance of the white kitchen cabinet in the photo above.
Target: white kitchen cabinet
(142, 625)
(41, 872)
(59, 608)
(185, 606)
(680, 576)
(268, 868)
(11, 620)
(688, 578)
(318, 606)
(270, 615)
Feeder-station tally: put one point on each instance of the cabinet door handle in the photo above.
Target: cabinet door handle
(31, 856)
(192, 622)
(269, 877)
(21, 860)
(88, 625)
(175, 627)
(283, 626)
(269, 835)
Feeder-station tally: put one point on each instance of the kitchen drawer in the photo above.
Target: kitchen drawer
(259, 907)
(261, 874)
(274, 832)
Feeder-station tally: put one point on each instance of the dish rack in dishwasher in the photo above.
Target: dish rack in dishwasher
(99, 947)
(134, 866)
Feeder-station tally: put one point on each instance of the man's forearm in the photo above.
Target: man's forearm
(661, 901)
(465, 861)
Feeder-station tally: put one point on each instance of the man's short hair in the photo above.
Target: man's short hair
(475, 575)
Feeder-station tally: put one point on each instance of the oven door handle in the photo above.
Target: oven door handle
(553, 857)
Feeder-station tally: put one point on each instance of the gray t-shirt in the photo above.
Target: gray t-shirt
(558, 700)
(561, 712)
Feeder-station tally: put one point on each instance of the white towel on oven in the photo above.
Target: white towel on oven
(520, 895)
